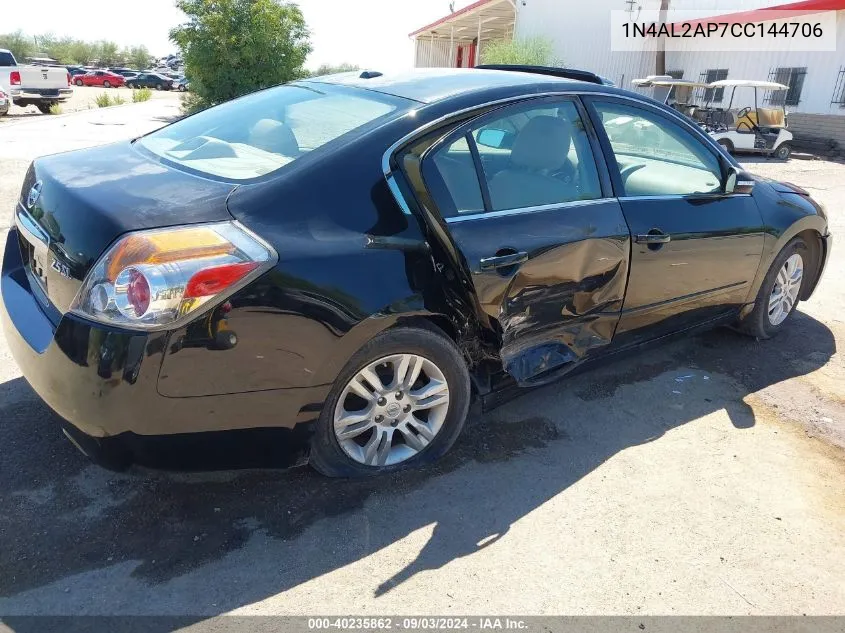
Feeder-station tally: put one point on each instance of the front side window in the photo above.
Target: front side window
(262, 132)
(533, 155)
(655, 157)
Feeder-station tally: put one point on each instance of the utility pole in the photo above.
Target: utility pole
(660, 54)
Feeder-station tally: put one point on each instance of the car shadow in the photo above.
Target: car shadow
(61, 516)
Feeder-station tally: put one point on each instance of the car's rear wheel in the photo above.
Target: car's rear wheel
(779, 294)
(78, 82)
(106, 84)
(158, 86)
(401, 401)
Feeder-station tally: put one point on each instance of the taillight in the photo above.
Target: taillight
(160, 278)
(14, 78)
(68, 79)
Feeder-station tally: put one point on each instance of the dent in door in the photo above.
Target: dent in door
(569, 299)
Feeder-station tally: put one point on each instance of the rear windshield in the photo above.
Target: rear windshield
(262, 132)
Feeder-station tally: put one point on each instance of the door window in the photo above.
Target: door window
(656, 157)
(534, 155)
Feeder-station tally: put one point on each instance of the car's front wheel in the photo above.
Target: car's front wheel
(779, 293)
(106, 84)
(401, 401)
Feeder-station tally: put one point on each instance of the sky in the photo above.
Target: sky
(370, 33)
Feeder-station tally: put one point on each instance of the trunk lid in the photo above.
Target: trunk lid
(74, 205)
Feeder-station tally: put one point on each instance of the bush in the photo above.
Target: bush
(142, 94)
(117, 100)
(55, 109)
(102, 100)
(533, 51)
(232, 47)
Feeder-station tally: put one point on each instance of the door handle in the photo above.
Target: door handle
(502, 261)
(653, 238)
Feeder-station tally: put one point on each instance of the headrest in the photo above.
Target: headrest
(274, 136)
(542, 144)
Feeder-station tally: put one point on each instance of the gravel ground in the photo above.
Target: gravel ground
(702, 477)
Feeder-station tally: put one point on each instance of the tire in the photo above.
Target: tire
(727, 144)
(783, 151)
(44, 107)
(131, 86)
(106, 84)
(759, 322)
(159, 87)
(78, 82)
(330, 458)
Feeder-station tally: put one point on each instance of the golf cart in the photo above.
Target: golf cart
(752, 129)
(748, 129)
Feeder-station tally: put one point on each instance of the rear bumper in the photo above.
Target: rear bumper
(102, 380)
(60, 94)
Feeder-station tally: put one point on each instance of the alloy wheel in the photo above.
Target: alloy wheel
(391, 410)
(785, 289)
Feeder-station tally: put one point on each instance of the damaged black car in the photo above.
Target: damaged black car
(351, 259)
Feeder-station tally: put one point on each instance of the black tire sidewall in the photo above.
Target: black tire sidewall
(758, 323)
(326, 454)
(784, 146)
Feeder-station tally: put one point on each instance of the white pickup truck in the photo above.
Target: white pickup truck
(41, 86)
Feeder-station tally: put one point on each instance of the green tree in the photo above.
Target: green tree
(232, 47)
(329, 69)
(82, 52)
(108, 54)
(137, 57)
(534, 51)
(21, 45)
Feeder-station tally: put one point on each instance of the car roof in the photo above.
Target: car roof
(428, 85)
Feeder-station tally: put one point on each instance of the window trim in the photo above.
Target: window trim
(610, 155)
(466, 127)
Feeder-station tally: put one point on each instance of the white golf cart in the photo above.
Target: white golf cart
(744, 129)
(750, 129)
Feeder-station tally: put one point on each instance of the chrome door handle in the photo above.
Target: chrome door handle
(502, 261)
(653, 238)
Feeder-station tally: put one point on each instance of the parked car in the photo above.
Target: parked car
(5, 102)
(182, 84)
(104, 78)
(385, 248)
(76, 70)
(41, 86)
(126, 72)
(150, 80)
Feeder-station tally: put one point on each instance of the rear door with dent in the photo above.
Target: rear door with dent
(524, 194)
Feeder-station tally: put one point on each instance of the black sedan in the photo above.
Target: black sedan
(149, 80)
(350, 260)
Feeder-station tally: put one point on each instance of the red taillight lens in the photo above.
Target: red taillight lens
(160, 278)
(14, 78)
(212, 281)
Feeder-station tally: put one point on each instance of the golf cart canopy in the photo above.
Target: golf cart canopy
(747, 83)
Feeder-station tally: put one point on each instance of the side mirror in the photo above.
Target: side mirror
(737, 181)
(730, 180)
(497, 139)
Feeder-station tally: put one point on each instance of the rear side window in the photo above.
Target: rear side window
(532, 155)
(7, 59)
(262, 132)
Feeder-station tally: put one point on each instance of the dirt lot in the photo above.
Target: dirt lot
(702, 477)
(82, 99)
